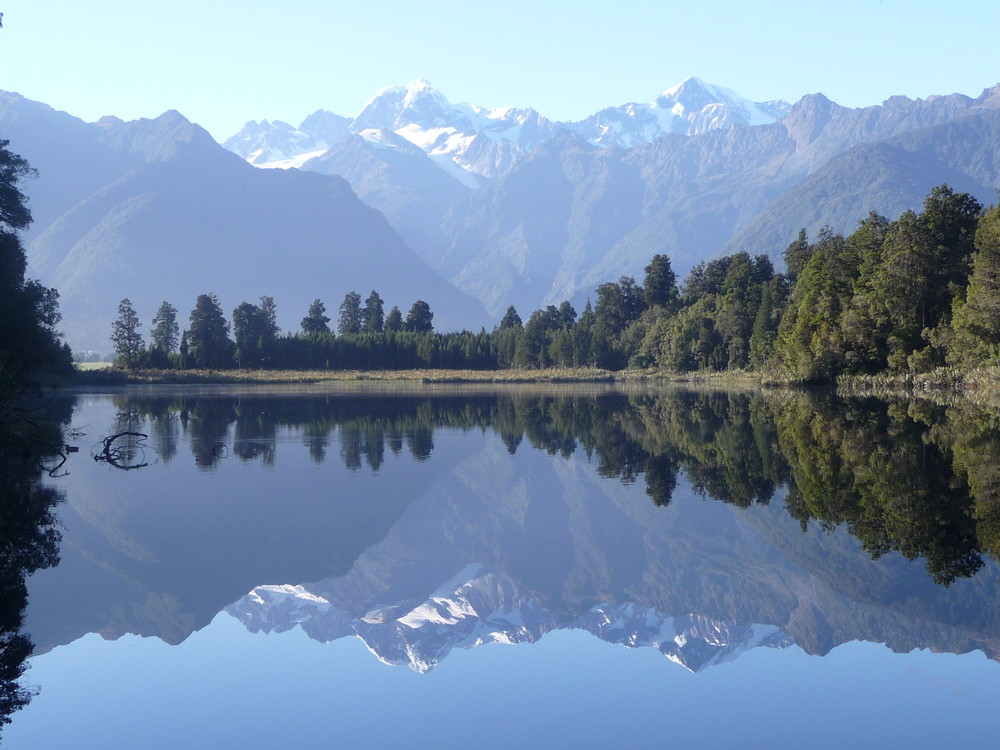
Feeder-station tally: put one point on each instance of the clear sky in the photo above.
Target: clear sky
(223, 62)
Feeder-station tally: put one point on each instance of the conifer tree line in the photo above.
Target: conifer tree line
(906, 295)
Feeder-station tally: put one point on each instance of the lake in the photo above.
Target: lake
(550, 566)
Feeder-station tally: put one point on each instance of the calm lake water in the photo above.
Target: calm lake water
(519, 567)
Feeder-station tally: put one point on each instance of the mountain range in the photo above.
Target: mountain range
(470, 208)
(548, 210)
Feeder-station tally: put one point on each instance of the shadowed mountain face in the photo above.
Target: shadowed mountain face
(155, 210)
(699, 524)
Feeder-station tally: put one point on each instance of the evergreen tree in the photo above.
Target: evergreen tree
(208, 334)
(316, 319)
(270, 313)
(350, 314)
(419, 318)
(394, 320)
(166, 332)
(659, 285)
(125, 336)
(252, 330)
(29, 312)
(373, 315)
(567, 315)
(796, 255)
(510, 319)
(977, 316)
(809, 341)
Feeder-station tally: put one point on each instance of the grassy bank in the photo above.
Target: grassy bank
(981, 381)
(201, 377)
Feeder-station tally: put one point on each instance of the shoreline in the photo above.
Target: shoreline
(982, 381)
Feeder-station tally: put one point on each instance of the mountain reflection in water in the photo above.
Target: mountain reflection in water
(428, 520)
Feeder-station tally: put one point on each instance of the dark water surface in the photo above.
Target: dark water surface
(282, 567)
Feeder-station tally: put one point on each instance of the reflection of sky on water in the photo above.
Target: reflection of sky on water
(227, 688)
(271, 512)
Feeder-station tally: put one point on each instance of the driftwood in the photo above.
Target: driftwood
(125, 455)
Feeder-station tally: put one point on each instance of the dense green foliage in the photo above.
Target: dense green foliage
(29, 312)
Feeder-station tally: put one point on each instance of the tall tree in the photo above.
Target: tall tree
(251, 329)
(316, 319)
(977, 316)
(350, 314)
(29, 312)
(125, 334)
(208, 334)
(796, 255)
(394, 320)
(373, 313)
(419, 319)
(165, 334)
(511, 319)
(659, 285)
(270, 315)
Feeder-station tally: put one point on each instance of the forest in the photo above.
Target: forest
(909, 295)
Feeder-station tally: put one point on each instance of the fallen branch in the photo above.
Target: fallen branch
(129, 456)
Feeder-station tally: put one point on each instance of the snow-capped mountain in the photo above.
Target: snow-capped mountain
(488, 142)
(690, 108)
(479, 606)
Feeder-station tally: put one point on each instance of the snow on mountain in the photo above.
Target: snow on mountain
(690, 108)
(477, 606)
(486, 143)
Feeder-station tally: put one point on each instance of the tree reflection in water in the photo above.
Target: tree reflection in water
(907, 476)
(29, 541)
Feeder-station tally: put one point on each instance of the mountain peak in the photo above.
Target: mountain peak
(691, 83)
(694, 95)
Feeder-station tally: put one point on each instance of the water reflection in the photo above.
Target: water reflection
(697, 523)
(30, 445)
(913, 477)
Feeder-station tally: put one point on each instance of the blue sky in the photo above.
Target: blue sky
(222, 62)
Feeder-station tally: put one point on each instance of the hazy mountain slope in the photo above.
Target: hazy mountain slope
(165, 213)
(689, 195)
(400, 180)
(572, 216)
(889, 177)
(70, 156)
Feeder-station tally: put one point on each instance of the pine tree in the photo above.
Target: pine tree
(511, 319)
(394, 320)
(977, 317)
(125, 335)
(208, 334)
(350, 314)
(316, 319)
(166, 332)
(373, 315)
(659, 285)
(419, 318)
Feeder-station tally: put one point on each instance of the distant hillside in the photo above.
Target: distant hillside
(888, 177)
(156, 210)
